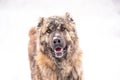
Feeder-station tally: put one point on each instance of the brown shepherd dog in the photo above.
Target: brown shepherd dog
(54, 51)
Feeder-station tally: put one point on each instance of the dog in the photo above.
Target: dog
(54, 51)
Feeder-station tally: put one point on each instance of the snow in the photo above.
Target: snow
(97, 24)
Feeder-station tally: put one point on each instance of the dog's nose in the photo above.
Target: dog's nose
(57, 41)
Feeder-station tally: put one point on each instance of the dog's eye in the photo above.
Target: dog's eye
(62, 28)
(49, 31)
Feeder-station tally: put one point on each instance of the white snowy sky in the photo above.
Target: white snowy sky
(97, 24)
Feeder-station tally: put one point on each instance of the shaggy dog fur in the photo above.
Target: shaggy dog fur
(48, 62)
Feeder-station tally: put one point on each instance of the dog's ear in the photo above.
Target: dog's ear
(69, 20)
(68, 17)
(41, 20)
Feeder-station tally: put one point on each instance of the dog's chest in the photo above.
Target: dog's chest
(66, 72)
(62, 71)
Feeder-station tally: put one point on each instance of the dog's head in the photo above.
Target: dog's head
(57, 35)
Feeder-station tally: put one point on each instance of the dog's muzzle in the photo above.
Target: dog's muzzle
(59, 46)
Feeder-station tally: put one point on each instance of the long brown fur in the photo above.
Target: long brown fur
(42, 64)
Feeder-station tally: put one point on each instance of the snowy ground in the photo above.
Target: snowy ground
(97, 23)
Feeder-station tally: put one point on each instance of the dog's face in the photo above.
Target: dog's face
(57, 35)
(57, 40)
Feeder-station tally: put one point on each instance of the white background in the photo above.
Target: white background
(97, 24)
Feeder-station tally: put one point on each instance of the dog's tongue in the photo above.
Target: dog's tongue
(57, 50)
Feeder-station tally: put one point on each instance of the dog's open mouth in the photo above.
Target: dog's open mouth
(59, 52)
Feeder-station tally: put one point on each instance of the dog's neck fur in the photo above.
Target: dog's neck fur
(62, 69)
